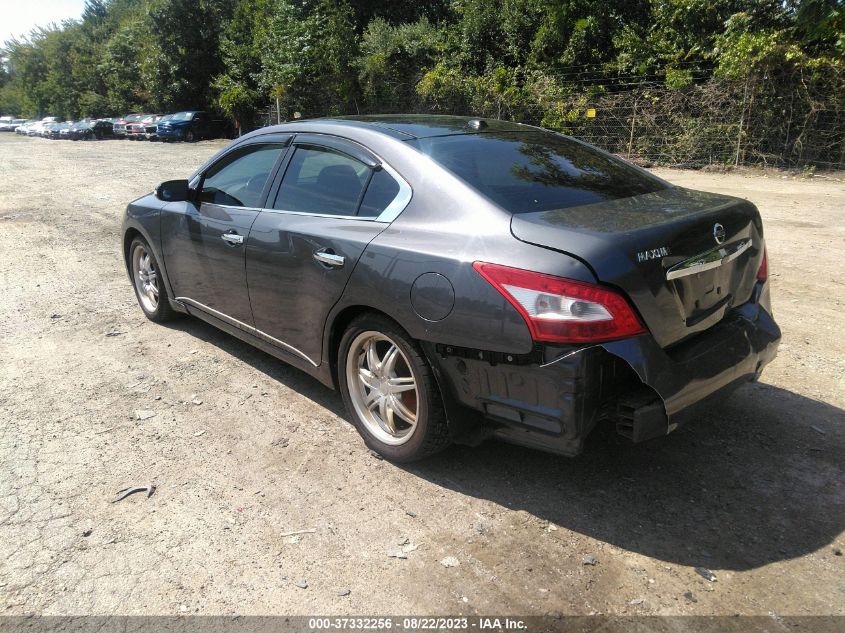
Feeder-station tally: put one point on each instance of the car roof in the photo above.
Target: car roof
(410, 126)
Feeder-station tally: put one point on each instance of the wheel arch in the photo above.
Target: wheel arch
(128, 235)
(464, 424)
(336, 328)
(132, 228)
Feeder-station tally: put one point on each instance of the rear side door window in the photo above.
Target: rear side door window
(322, 180)
(326, 181)
(238, 180)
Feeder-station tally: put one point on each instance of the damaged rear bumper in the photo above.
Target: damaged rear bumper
(552, 399)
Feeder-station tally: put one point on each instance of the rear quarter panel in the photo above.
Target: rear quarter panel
(445, 228)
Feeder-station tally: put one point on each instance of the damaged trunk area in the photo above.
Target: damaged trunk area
(550, 399)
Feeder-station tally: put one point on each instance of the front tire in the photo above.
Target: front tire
(148, 283)
(389, 390)
(189, 136)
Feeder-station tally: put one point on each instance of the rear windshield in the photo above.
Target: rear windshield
(536, 171)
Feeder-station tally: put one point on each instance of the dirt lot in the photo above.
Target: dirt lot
(244, 449)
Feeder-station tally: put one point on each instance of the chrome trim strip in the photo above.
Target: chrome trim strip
(706, 261)
(402, 199)
(246, 328)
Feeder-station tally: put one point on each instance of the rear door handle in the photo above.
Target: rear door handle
(232, 238)
(327, 257)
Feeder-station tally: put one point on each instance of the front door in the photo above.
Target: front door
(303, 247)
(204, 240)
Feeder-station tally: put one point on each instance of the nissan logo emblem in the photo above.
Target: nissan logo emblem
(719, 233)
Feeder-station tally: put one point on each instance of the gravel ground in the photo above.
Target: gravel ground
(244, 450)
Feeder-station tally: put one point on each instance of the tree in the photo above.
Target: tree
(307, 52)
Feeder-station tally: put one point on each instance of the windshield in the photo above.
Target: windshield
(182, 116)
(536, 171)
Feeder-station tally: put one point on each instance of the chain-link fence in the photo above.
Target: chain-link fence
(758, 120)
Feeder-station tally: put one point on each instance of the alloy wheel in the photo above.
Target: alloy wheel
(383, 387)
(145, 275)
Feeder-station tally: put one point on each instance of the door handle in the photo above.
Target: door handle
(328, 258)
(232, 238)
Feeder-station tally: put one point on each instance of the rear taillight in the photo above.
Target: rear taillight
(763, 271)
(559, 310)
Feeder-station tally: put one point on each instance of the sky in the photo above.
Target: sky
(19, 17)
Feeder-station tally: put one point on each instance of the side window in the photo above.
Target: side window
(382, 190)
(238, 179)
(322, 180)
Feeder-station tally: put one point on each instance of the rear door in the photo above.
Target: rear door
(204, 240)
(331, 199)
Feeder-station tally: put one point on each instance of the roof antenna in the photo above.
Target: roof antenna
(477, 124)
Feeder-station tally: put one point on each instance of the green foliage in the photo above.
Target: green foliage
(678, 78)
(306, 53)
(539, 61)
(393, 60)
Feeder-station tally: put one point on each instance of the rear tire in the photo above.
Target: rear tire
(389, 390)
(189, 136)
(150, 290)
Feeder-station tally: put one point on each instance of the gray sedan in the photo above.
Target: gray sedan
(458, 279)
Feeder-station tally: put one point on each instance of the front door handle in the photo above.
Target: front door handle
(329, 258)
(232, 238)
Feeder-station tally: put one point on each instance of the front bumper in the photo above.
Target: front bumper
(177, 133)
(552, 399)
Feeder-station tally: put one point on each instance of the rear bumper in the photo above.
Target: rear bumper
(552, 400)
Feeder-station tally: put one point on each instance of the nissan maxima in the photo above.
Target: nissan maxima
(457, 279)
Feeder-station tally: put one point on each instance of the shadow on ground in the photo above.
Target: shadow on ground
(756, 479)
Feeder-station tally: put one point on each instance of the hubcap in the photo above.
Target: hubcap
(146, 278)
(383, 387)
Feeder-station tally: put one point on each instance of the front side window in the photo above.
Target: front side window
(238, 179)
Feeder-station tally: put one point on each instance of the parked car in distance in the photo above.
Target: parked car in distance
(10, 125)
(189, 126)
(47, 129)
(137, 130)
(97, 129)
(76, 130)
(54, 130)
(38, 128)
(152, 129)
(458, 278)
(24, 127)
(119, 125)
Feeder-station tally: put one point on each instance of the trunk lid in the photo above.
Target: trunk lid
(661, 250)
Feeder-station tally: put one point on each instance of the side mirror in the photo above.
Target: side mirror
(173, 191)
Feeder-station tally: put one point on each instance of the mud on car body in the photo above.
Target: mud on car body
(458, 279)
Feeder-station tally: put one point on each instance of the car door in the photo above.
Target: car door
(331, 199)
(201, 124)
(204, 239)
